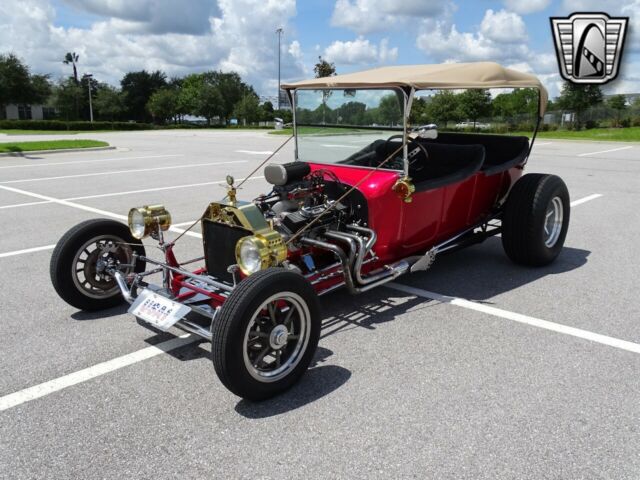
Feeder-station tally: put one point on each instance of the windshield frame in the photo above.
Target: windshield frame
(407, 95)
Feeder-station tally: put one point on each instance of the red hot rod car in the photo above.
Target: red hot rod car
(366, 200)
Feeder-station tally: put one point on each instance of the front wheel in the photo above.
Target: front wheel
(266, 334)
(536, 219)
(83, 255)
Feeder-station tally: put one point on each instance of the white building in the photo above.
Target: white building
(27, 112)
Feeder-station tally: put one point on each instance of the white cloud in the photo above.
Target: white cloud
(241, 38)
(503, 26)
(445, 43)
(360, 51)
(366, 16)
(386, 54)
(154, 16)
(525, 7)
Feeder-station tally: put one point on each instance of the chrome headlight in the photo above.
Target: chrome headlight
(252, 255)
(143, 221)
(263, 250)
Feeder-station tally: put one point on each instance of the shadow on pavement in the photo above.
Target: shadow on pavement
(484, 271)
(317, 382)
(81, 315)
(476, 273)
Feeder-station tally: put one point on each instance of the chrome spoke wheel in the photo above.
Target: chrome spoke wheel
(276, 337)
(553, 222)
(93, 259)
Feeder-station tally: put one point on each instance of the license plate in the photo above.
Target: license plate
(158, 310)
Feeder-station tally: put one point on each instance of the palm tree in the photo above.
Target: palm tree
(72, 58)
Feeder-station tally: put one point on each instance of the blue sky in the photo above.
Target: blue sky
(178, 37)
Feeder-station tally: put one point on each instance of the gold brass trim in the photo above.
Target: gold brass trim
(405, 189)
(269, 242)
(154, 216)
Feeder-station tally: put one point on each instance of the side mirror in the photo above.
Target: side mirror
(430, 133)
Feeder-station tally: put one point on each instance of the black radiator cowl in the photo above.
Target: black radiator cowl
(220, 241)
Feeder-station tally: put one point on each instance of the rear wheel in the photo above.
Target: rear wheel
(536, 219)
(81, 258)
(266, 334)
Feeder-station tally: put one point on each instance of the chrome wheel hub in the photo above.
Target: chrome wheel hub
(89, 267)
(276, 337)
(553, 222)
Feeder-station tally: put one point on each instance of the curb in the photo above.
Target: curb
(61, 150)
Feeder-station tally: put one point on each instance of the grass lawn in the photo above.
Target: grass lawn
(49, 145)
(324, 131)
(51, 132)
(630, 134)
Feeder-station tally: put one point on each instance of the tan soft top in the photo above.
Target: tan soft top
(420, 77)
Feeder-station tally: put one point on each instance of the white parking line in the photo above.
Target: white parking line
(27, 250)
(586, 199)
(604, 151)
(129, 192)
(116, 172)
(517, 317)
(255, 152)
(86, 208)
(537, 144)
(27, 204)
(175, 226)
(338, 146)
(43, 389)
(74, 162)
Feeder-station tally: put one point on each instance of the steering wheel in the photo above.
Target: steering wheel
(416, 151)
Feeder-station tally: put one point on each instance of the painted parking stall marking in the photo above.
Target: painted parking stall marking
(46, 388)
(255, 152)
(87, 208)
(517, 317)
(117, 172)
(75, 162)
(586, 199)
(27, 250)
(176, 226)
(604, 151)
(129, 192)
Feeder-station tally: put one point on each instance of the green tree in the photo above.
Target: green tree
(519, 102)
(71, 58)
(248, 109)
(89, 86)
(389, 110)
(209, 103)
(324, 68)
(41, 89)
(443, 107)
(619, 104)
(138, 88)
(285, 114)
(474, 103)
(65, 98)
(231, 88)
(109, 103)
(15, 81)
(267, 111)
(163, 105)
(578, 98)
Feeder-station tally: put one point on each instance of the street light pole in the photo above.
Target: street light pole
(88, 76)
(279, 33)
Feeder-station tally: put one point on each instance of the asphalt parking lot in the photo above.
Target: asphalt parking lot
(475, 369)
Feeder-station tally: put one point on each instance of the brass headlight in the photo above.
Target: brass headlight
(260, 251)
(143, 221)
